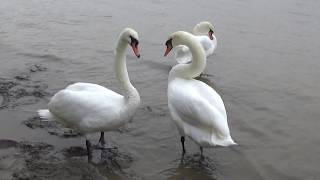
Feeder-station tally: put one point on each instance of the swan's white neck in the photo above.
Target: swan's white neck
(121, 71)
(198, 62)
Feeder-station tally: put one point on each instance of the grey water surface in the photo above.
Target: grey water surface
(266, 68)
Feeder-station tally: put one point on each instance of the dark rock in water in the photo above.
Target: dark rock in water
(113, 159)
(37, 160)
(40, 163)
(154, 110)
(53, 127)
(35, 150)
(37, 67)
(34, 122)
(7, 143)
(22, 77)
(74, 151)
(72, 169)
(15, 93)
(1, 100)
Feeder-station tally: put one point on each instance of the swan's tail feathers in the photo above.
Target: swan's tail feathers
(46, 115)
(224, 142)
(229, 142)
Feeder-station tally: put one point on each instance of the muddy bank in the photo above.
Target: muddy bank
(34, 160)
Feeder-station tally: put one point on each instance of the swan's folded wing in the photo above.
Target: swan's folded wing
(210, 95)
(196, 111)
(76, 105)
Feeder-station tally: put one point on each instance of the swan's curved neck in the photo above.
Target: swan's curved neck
(198, 62)
(122, 72)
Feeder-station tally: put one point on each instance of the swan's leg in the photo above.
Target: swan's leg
(182, 143)
(88, 144)
(101, 140)
(201, 152)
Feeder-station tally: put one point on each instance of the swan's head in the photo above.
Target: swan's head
(176, 39)
(131, 37)
(204, 28)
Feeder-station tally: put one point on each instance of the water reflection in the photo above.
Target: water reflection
(192, 167)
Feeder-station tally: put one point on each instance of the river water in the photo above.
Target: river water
(266, 68)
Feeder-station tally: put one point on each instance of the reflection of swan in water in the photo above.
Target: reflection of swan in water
(192, 167)
(110, 161)
(197, 109)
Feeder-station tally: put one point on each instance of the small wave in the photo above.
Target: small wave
(51, 57)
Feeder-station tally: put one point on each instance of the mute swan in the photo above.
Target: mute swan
(204, 34)
(197, 109)
(90, 108)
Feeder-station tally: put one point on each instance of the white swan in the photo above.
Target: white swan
(205, 35)
(90, 108)
(197, 109)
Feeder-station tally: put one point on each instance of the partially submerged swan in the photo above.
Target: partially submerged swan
(204, 32)
(196, 108)
(90, 108)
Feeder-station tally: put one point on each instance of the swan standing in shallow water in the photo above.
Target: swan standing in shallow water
(90, 108)
(204, 32)
(197, 109)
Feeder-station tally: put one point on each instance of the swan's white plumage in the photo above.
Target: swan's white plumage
(199, 112)
(182, 53)
(88, 107)
(196, 108)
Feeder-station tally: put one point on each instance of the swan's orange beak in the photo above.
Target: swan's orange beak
(135, 48)
(210, 34)
(169, 47)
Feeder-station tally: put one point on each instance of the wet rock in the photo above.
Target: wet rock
(15, 93)
(35, 150)
(195, 161)
(155, 111)
(113, 159)
(72, 170)
(37, 67)
(2, 100)
(74, 151)
(22, 77)
(37, 160)
(34, 122)
(53, 127)
(7, 143)
(12, 90)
